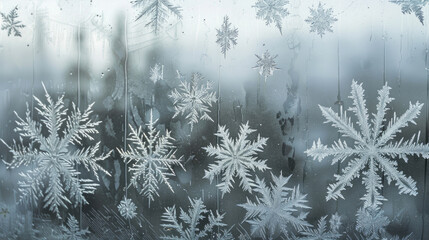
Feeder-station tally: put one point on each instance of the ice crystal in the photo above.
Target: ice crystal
(412, 6)
(226, 36)
(191, 227)
(276, 208)
(11, 24)
(272, 11)
(158, 11)
(71, 231)
(193, 100)
(157, 73)
(322, 232)
(127, 208)
(374, 150)
(235, 158)
(371, 222)
(54, 151)
(152, 156)
(321, 19)
(266, 65)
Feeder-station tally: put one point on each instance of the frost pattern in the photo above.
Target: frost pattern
(152, 156)
(374, 149)
(322, 232)
(127, 208)
(157, 73)
(54, 152)
(158, 11)
(193, 100)
(276, 208)
(226, 36)
(71, 231)
(235, 158)
(412, 6)
(371, 222)
(266, 65)
(11, 24)
(190, 227)
(272, 11)
(321, 20)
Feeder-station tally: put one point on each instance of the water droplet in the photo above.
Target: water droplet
(102, 75)
(108, 69)
(71, 73)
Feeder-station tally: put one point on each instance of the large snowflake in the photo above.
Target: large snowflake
(152, 156)
(191, 227)
(276, 208)
(193, 100)
(54, 151)
(266, 65)
(10, 22)
(374, 148)
(71, 231)
(235, 158)
(322, 231)
(127, 208)
(321, 20)
(158, 11)
(272, 11)
(412, 6)
(226, 36)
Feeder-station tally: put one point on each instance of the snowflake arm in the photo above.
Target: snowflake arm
(158, 11)
(226, 36)
(71, 231)
(410, 6)
(272, 11)
(321, 232)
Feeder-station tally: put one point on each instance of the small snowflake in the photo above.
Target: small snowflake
(192, 100)
(321, 20)
(11, 24)
(71, 231)
(157, 73)
(375, 150)
(272, 11)
(235, 158)
(127, 208)
(152, 156)
(266, 65)
(226, 36)
(276, 208)
(371, 222)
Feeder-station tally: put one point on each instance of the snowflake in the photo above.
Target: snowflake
(127, 208)
(321, 20)
(321, 232)
(372, 151)
(272, 11)
(235, 158)
(53, 154)
(157, 73)
(410, 6)
(335, 222)
(276, 208)
(192, 100)
(371, 222)
(226, 36)
(158, 11)
(72, 231)
(153, 157)
(266, 65)
(11, 24)
(191, 221)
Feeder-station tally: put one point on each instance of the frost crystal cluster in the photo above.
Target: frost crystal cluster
(127, 208)
(266, 65)
(193, 100)
(322, 231)
(235, 158)
(11, 24)
(53, 154)
(374, 151)
(321, 20)
(272, 11)
(226, 36)
(152, 156)
(71, 231)
(157, 73)
(194, 223)
(371, 222)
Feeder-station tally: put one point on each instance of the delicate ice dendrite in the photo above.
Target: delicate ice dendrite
(157, 73)
(11, 24)
(196, 223)
(276, 208)
(371, 222)
(53, 152)
(158, 11)
(410, 6)
(193, 100)
(152, 156)
(322, 231)
(374, 149)
(321, 20)
(266, 65)
(235, 158)
(127, 208)
(226, 36)
(71, 231)
(272, 11)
